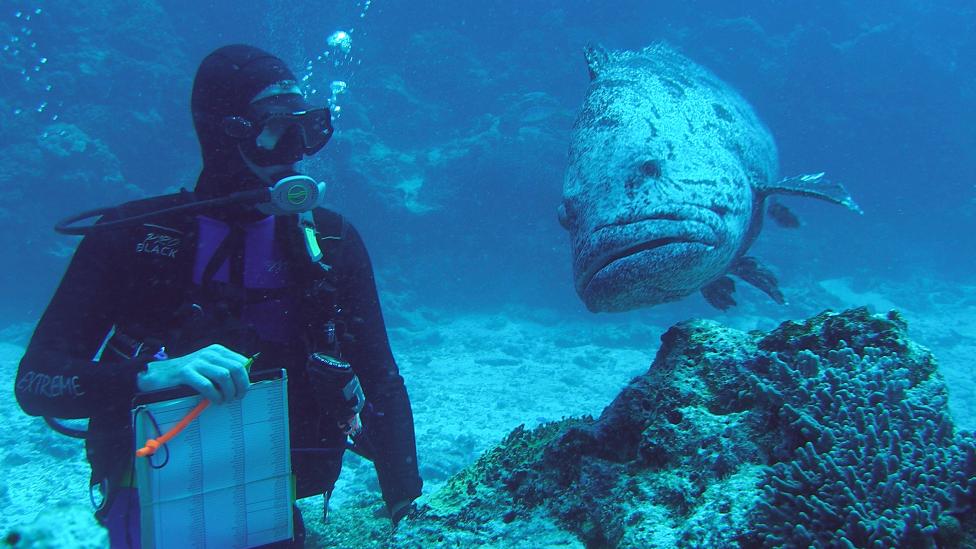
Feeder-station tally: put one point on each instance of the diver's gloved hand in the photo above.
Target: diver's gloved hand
(216, 372)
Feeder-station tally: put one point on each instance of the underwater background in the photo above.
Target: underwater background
(449, 157)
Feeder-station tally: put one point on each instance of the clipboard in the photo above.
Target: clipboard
(225, 480)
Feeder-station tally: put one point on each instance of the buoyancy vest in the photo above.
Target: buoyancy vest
(165, 301)
(168, 281)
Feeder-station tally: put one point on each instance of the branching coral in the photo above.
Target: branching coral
(869, 457)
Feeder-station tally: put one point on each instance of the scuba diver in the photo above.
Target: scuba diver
(188, 289)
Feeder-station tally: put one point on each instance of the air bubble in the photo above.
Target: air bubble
(337, 87)
(341, 40)
(336, 60)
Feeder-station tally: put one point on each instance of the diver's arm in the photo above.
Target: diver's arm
(57, 376)
(389, 426)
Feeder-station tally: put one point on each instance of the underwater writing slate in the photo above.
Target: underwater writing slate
(225, 480)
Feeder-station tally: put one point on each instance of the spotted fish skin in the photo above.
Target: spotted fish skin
(667, 178)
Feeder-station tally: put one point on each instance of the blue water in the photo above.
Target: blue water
(450, 153)
(880, 95)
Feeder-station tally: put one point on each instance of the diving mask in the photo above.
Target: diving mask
(280, 130)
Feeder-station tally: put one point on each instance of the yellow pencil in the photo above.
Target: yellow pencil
(247, 365)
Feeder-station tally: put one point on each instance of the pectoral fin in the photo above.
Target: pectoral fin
(718, 293)
(783, 216)
(753, 271)
(814, 186)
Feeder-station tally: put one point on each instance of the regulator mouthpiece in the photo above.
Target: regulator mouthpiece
(293, 194)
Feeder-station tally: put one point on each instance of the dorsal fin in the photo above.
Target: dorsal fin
(596, 58)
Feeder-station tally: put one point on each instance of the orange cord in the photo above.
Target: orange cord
(153, 444)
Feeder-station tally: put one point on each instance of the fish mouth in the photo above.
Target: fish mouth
(631, 251)
(710, 216)
(668, 230)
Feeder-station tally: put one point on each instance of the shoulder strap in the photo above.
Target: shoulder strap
(321, 233)
(310, 239)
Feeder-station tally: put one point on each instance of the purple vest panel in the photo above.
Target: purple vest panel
(264, 268)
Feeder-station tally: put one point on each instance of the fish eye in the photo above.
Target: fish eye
(650, 168)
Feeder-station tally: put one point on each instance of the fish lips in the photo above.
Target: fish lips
(651, 260)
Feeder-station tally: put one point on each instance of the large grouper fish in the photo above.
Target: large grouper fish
(667, 186)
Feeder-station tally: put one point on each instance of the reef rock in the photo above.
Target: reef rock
(833, 432)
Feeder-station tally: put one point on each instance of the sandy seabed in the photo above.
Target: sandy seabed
(472, 378)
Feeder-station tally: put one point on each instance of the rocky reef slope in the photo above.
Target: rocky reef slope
(829, 432)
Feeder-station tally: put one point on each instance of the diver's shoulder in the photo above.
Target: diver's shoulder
(139, 207)
(154, 203)
(329, 222)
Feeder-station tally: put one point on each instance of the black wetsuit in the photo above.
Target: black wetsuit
(139, 280)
